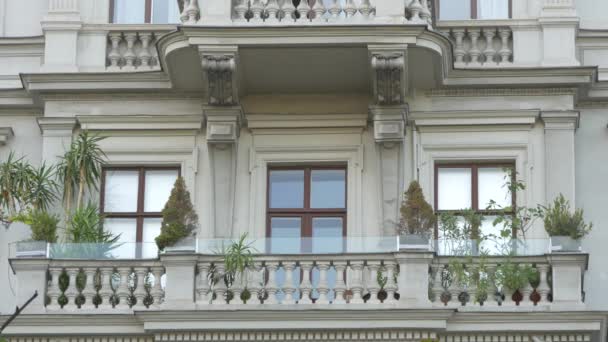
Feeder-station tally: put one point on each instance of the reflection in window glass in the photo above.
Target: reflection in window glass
(455, 9)
(286, 189)
(492, 186)
(150, 232)
(165, 12)
(127, 228)
(492, 9)
(159, 184)
(121, 191)
(327, 233)
(286, 233)
(328, 188)
(129, 11)
(454, 188)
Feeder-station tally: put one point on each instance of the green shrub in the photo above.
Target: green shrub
(417, 215)
(560, 220)
(179, 218)
(42, 224)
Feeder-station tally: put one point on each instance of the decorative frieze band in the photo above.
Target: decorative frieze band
(81, 339)
(303, 335)
(511, 337)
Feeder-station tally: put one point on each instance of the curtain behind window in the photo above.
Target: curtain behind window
(493, 9)
(129, 11)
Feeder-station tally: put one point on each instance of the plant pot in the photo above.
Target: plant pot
(31, 249)
(414, 242)
(186, 245)
(565, 244)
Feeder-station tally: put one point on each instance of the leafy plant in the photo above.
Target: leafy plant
(179, 218)
(459, 231)
(417, 215)
(42, 224)
(560, 220)
(514, 276)
(42, 187)
(80, 168)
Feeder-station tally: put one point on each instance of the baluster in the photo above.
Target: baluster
(526, 292)
(106, 291)
(425, 12)
(459, 48)
(273, 10)
(454, 291)
(323, 287)
(505, 52)
(543, 287)
(304, 9)
(157, 289)
(114, 55)
(123, 292)
(373, 287)
(489, 52)
(129, 55)
(254, 281)
(72, 291)
(415, 10)
(183, 17)
(365, 8)
(357, 282)
(289, 289)
(474, 52)
(319, 10)
(192, 12)
(472, 290)
(89, 291)
(306, 285)
(221, 290)
(288, 11)
(140, 292)
(271, 285)
(335, 10)
(241, 10)
(340, 288)
(257, 7)
(144, 54)
(492, 287)
(437, 288)
(237, 289)
(202, 288)
(350, 9)
(391, 286)
(54, 291)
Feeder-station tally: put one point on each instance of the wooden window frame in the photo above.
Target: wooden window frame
(474, 166)
(306, 214)
(147, 13)
(473, 16)
(140, 214)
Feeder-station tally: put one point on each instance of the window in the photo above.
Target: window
(131, 201)
(306, 209)
(474, 9)
(144, 11)
(459, 187)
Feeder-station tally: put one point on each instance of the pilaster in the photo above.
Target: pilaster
(559, 23)
(5, 134)
(560, 127)
(56, 136)
(60, 27)
(567, 274)
(413, 279)
(389, 131)
(181, 277)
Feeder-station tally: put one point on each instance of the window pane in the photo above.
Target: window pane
(165, 12)
(327, 188)
(151, 231)
(286, 189)
(121, 191)
(285, 233)
(127, 228)
(492, 186)
(327, 234)
(455, 9)
(129, 11)
(159, 184)
(454, 188)
(493, 9)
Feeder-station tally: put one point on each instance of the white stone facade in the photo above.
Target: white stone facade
(383, 87)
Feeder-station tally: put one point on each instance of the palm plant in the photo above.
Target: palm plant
(14, 175)
(42, 187)
(80, 168)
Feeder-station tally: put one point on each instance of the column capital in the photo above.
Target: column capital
(56, 126)
(560, 120)
(5, 134)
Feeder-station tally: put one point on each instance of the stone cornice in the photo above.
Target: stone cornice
(15, 98)
(560, 120)
(78, 82)
(274, 120)
(474, 118)
(141, 122)
(56, 126)
(566, 76)
(5, 134)
(488, 92)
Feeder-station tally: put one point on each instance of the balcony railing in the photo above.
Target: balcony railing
(132, 50)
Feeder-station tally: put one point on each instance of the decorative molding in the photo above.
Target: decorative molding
(301, 335)
(56, 126)
(511, 337)
(262, 121)
(220, 73)
(5, 134)
(140, 122)
(389, 73)
(560, 120)
(474, 118)
(73, 338)
(485, 92)
(223, 124)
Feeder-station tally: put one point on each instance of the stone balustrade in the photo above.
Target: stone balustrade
(481, 46)
(132, 50)
(406, 279)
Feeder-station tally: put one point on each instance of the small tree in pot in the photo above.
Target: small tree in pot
(417, 219)
(565, 226)
(179, 218)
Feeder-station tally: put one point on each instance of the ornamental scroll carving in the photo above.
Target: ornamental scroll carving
(389, 76)
(220, 72)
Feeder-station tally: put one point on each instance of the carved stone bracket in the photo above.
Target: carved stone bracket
(5, 134)
(389, 74)
(220, 75)
(389, 131)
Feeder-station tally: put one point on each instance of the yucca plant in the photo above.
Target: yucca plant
(42, 187)
(80, 168)
(14, 179)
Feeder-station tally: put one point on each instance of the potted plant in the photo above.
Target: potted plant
(565, 226)
(179, 221)
(514, 278)
(417, 220)
(44, 231)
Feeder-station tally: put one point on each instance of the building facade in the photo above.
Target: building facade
(305, 121)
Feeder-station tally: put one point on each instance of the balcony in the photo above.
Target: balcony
(366, 274)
